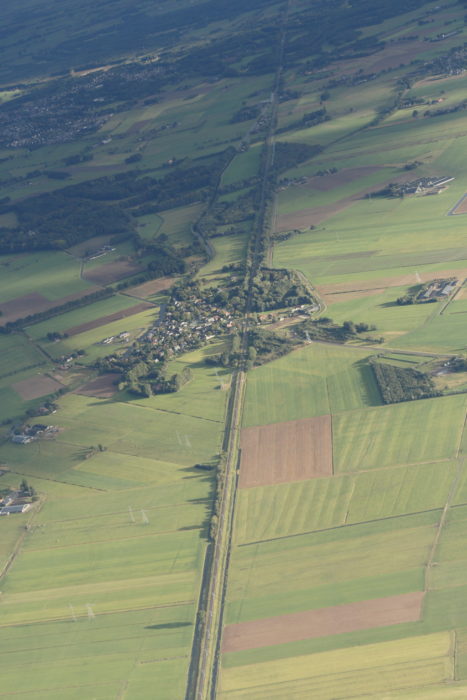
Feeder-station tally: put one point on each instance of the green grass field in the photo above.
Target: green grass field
(53, 274)
(404, 433)
(312, 381)
(101, 598)
(17, 354)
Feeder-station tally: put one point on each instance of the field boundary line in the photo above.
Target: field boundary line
(452, 297)
(166, 410)
(452, 491)
(59, 481)
(19, 542)
(340, 527)
(84, 616)
(157, 533)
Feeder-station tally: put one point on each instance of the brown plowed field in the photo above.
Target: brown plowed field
(147, 289)
(284, 452)
(112, 272)
(34, 303)
(35, 387)
(367, 614)
(104, 320)
(102, 387)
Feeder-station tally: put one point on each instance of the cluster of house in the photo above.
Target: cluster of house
(29, 433)
(438, 289)
(188, 324)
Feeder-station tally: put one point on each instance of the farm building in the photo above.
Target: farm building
(20, 508)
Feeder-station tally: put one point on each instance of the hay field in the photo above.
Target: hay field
(108, 574)
(312, 381)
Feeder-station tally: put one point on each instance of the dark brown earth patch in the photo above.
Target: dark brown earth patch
(323, 622)
(285, 452)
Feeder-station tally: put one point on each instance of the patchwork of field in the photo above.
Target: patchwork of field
(352, 583)
(82, 590)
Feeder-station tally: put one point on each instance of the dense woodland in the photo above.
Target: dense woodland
(107, 205)
(398, 384)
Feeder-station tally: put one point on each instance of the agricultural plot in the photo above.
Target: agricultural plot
(18, 354)
(385, 556)
(378, 612)
(312, 381)
(406, 433)
(420, 661)
(244, 166)
(91, 340)
(85, 318)
(227, 250)
(272, 512)
(283, 452)
(51, 274)
(399, 472)
(138, 494)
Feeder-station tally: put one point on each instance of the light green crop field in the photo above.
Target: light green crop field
(375, 559)
(85, 314)
(312, 381)
(101, 598)
(52, 274)
(17, 354)
(243, 166)
(399, 434)
(108, 573)
(269, 512)
(91, 341)
(176, 223)
(392, 517)
(420, 661)
(227, 250)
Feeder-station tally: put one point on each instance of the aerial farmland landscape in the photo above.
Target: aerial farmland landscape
(233, 350)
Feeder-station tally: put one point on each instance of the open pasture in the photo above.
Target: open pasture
(91, 340)
(204, 396)
(284, 452)
(413, 432)
(227, 250)
(52, 274)
(17, 354)
(445, 334)
(282, 510)
(115, 649)
(177, 223)
(411, 663)
(100, 312)
(386, 556)
(315, 380)
(244, 165)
